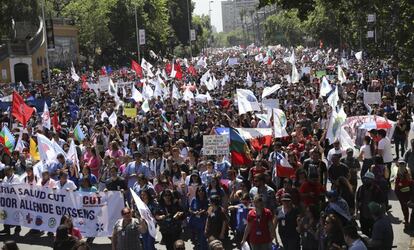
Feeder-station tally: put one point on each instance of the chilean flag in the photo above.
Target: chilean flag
(283, 167)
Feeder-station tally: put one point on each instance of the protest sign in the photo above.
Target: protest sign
(103, 83)
(130, 112)
(233, 61)
(215, 145)
(372, 98)
(269, 104)
(320, 73)
(42, 208)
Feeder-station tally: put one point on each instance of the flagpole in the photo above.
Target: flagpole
(189, 27)
(137, 31)
(46, 46)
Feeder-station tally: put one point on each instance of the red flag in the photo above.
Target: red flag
(137, 68)
(84, 83)
(55, 122)
(179, 71)
(168, 68)
(192, 71)
(258, 143)
(20, 110)
(103, 71)
(269, 61)
(320, 44)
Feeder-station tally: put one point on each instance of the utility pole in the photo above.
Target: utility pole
(189, 27)
(137, 31)
(45, 38)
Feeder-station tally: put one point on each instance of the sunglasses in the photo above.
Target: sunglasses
(126, 213)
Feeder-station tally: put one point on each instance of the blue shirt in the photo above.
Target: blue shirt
(222, 167)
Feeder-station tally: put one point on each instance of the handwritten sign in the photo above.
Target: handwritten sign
(215, 145)
(372, 97)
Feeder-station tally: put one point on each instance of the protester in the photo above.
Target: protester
(295, 165)
(10, 245)
(126, 232)
(63, 240)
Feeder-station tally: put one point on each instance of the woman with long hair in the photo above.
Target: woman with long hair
(214, 188)
(344, 189)
(334, 233)
(307, 227)
(67, 220)
(367, 154)
(404, 185)
(169, 216)
(148, 199)
(198, 216)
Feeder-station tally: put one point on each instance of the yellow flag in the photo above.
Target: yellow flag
(33, 150)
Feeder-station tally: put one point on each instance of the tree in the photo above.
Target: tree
(17, 10)
(178, 11)
(284, 28)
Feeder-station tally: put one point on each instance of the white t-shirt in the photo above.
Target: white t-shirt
(367, 151)
(385, 145)
(332, 152)
(68, 185)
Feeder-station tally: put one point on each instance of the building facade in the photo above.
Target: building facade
(23, 59)
(233, 11)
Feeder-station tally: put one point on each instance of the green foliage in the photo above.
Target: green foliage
(21, 10)
(284, 28)
(343, 24)
(178, 11)
(203, 30)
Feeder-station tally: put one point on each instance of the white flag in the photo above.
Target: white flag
(46, 121)
(249, 81)
(46, 149)
(188, 95)
(325, 87)
(136, 95)
(58, 149)
(104, 115)
(145, 106)
(335, 123)
(292, 58)
(19, 144)
(145, 213)
(74, 76)
(205, 77)
(270, 90)
(333, 98)
(175, 93)
(173, 71)
(73, 155)
(113, 119)
(358, 55)
(295, 74)
(341, 75)
(280, 122)
(247, 101)
(315, 58)
(145, 65)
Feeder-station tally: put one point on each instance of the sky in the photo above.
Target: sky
(201, 7)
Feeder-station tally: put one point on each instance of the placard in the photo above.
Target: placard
(320, 73)
(233, 61)
(130, 112)
(193, 35)
(141, 36)
(372, 97)
(215, 145)
(269, 104)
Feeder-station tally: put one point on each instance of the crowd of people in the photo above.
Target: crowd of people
(210, 200)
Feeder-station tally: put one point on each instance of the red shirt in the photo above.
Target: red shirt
(259, 231)
(311, 187)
